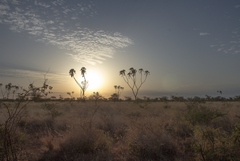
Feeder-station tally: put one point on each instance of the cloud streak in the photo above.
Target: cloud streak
(237, 6)
(31, 75)
(204, 33)
(230, 45)
(59, 23)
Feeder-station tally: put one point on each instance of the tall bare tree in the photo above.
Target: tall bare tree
(131, 79)
(83, 84)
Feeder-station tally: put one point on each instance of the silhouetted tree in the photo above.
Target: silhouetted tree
(84, 84)
(9, 89)
(131, 79)
(96, 97)
(208, 98)
(114, 97)
(219, 92)
(163, 99)
(118, 90)
(71, 96)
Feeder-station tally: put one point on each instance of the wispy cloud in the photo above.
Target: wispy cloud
(237, 6)
(229, 45)
(59, 23)
(32, 76)
(204, 33)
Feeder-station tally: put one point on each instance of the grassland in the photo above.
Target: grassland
(126, 131)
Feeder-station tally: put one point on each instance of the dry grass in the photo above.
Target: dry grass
(126, 131)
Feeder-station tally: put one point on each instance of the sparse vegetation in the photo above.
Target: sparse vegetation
(123, 131)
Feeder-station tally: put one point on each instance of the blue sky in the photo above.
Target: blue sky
(190, 47)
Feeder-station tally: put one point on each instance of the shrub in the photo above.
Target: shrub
(201, 114)
(51, 109)
(82, 145)
(152, 146)
(214, 144)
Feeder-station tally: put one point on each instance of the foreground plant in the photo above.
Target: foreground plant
(131, 79)
(11, 140)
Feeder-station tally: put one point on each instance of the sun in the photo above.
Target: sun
(95, 80)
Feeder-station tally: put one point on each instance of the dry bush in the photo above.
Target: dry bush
(150, 141)
(216, 135)
(38, 128)
(215, 144)
(82, 145)
(84, 141)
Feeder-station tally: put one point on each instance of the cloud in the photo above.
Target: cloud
(212, 46)
(59, 23)
(230, 44)
(204, 33)
(237, 6)
(31, 76)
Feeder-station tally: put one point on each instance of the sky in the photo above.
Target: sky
(190, 47)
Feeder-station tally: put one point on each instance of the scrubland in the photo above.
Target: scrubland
(126, 131)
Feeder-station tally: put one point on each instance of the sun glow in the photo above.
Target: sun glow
(95, 80)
